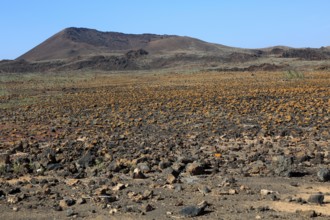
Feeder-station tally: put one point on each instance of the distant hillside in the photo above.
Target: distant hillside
(82, 48)
(73, 42)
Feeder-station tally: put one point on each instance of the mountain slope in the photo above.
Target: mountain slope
(82, 48)
(73, 42)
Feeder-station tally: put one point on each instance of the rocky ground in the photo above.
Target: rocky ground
(168, 146)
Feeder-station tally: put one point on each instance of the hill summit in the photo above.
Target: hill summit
(82, 48)
(73, 42)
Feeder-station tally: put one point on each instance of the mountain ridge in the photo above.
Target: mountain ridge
(83, 48)
(72, 42)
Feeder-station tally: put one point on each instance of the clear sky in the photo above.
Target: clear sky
(240, 23)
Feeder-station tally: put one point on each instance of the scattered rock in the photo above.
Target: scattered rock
(72, 182)
(148, 194)
(294, 173)
(4, 159)
(144, 167)
(164, 164)
(232, 191)
(171, 179)
(70, 213)
(81, 201)
(265, 192)
(316, 198)
(113, 211)
(307, 213)
(118, 187)
(13, 199)
(148, 208)
(58, 208)
(323, 175)
(193, 211)
(13, 191)
(65, 203)
(195, 168)
(131, 208)
(263, 209)
(204, 189)
(104, 190)
(85, 161)
(106, 199)
(178, 188)
(137, 174)
(2, 194)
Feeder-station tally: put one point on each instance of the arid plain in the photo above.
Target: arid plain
(165, 144)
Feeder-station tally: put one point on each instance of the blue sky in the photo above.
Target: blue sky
(239, 23)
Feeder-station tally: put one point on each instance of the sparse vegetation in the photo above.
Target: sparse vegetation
(96, 132)
(293, 74)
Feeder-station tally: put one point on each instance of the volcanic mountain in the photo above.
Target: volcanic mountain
(83, 48)
(73, 42)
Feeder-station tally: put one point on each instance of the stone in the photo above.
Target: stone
(263, 209)
(54, 166)
(295, 173)
(144, 167)
(48, 156)
(72, 182)
(58, 208)
(65, 203)
(191, 211)
(265, 192)
(85, 161)
(102, 191)
(178, 188)
(106, 199)
(70, 213)
(118, 187)
(13, 199)
(137, 174)
(131, 208)
(307, 213)
(2, 194)
(232, 191)
(81, 201)
(147, 194)
(273, 197)
(195, 168)
(171, 179)
(13, 191)
(164, 164)
(283, 165)
(323, 175)
(113, 211)
(316, 198)
(4, 159)
(148, 208)
(204, 189)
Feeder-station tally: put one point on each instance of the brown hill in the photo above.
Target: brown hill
(82, 48)
(74, 42)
